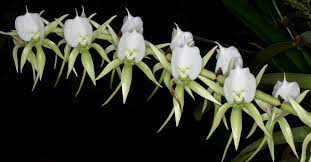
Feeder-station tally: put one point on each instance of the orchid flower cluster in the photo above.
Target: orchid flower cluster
(230, 86)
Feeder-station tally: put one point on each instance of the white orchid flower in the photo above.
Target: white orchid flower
(131, 46)
(181, 38)
(131, 23)
(240, 86)
(286, 89)
(29, 26)
(227, 58)
(78, 31)
(186, 62)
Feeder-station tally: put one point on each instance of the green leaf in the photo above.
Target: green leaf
(25, 54)
(301, 96)
(178, 102)
(113, 35)
(166, 121)
(126, 80)
(66, 55)
(304, 80)
(143, 67)
(88, 65)
(302, 114)
(305, 144)
(208, 56)
(227, 147)
(269, 52)
(51, 26)
(287, 132)
(257, 117)
(72, 59)
(15, 58)
(156, 67)
(51, 45)
(214, 86)
(112, 95)
(40, 60)
(299, 134)
(112, 65)
(81, 83)
(197, 88)
(236, 125)
(101, 51)
(260, 74)
(157, 87)
(161, 57)
(216, 121)
(188, 90)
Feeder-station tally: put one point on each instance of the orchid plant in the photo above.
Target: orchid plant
(31, 31)
(230, 86)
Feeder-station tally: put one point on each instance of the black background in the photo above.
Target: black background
(50, 124)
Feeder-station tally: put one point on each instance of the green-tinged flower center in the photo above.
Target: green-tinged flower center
(238, 96)
(130, 54)
(83, 40)
(183, 73)
(36, 35)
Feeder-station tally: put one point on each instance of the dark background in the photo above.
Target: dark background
(50, 124)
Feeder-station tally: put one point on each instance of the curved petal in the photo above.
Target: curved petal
(180, 38)
(29, 24)
(186, 61)
(131, 44)
(131, 23)
(78, 31)
(224, 57)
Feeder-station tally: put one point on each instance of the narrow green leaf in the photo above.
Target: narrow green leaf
(126, 80)
(157, 87)
(178, 102)
(166, 121)
(167, 80)
(112, 95)
(302, 95)
(302, 114)
(287, 132)
(113, 35)
(112, 65)
(51, 45)
(161, 57)
(208, 56)
(305, 144)
(51, 26)
(25, 54)
(299, 133)
(214, 86)
(270, 141)
(216, 121)
(81, 83)
(72, 59)
(143, 67)
(15, 58)
(236, 125)
(101, 51)
(227, 147)
(66, 55)
(197, 88)
(40, 56)
(88, 65)
(156, 67)
(257, 117)
(260, 74)
(188, 90)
